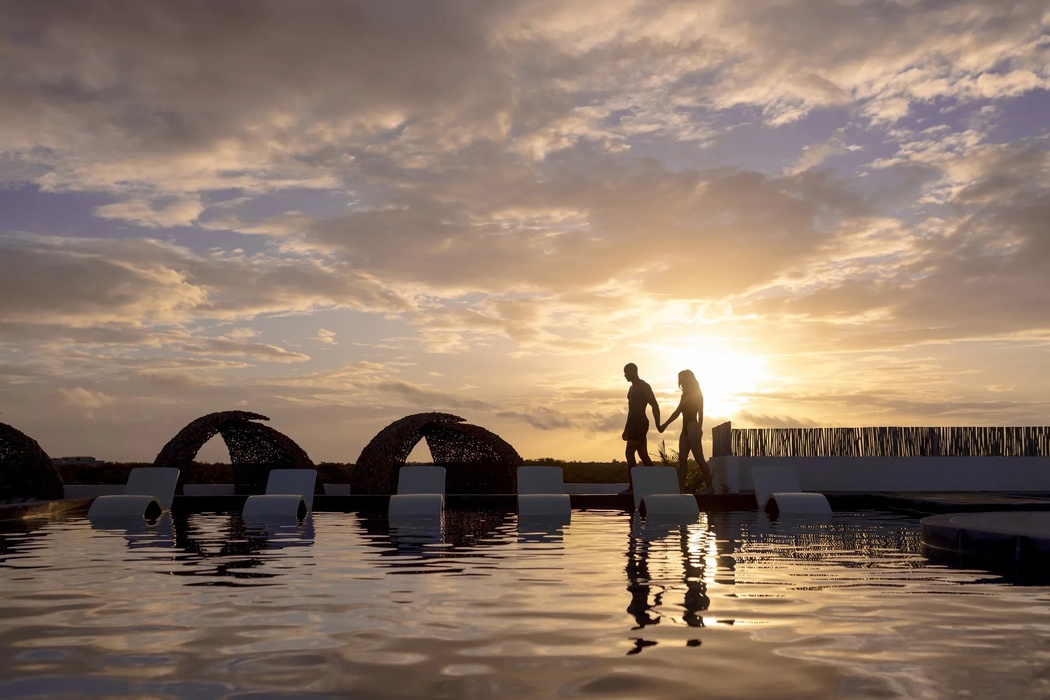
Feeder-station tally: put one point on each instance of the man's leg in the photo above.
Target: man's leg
(643, 452)
(635, 447)
(629, 454)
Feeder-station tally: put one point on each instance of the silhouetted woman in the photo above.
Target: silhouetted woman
(691, 407)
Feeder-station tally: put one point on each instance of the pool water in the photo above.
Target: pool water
(734, 606)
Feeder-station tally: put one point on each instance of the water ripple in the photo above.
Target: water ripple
(732, 606)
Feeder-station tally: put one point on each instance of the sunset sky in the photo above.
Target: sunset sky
(340, 213)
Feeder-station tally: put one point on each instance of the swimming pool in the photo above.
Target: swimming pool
(734, 606)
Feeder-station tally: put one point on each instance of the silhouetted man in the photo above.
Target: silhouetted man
(639, 396)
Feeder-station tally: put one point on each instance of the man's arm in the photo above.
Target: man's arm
(652, 402)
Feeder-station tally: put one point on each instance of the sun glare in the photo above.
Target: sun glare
(726, 376)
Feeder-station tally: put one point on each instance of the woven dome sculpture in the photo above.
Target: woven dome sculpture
(25, 469)
(475, 459)
(254, 448)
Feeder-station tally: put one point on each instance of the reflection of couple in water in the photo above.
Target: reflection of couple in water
(690, 407)
(642, 585)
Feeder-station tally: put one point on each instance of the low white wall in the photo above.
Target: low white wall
(900, 474)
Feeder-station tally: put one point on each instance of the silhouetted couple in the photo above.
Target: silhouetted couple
(690, 407)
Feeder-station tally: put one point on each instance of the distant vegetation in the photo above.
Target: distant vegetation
(339, 472)
(197, 473)
(330, 472)
(614, 472)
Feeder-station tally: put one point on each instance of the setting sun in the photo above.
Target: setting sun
(727, 375)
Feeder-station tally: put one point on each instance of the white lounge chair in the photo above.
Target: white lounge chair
(148, 493)
(777, 490)
(289, 496)
(417, 510)
(420, 493)
(656, 495)
(541, 493)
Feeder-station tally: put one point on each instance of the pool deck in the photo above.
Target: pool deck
(923, 503)
(1016, 542)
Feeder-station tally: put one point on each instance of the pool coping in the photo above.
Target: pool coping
(911, 503)
(453, 501)
(34, 510)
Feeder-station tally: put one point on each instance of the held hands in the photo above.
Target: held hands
(662, 427)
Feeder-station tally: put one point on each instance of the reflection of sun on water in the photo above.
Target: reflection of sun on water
(725, 377)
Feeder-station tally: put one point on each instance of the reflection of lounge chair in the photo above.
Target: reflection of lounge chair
(777, 491)
(289, 495)
(656, 495)
(541, 493)
(420, 494)
(148, 493)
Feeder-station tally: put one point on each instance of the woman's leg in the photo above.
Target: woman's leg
(697, 447)
(683, 458)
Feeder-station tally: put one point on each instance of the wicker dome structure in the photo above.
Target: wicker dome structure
(476, 460)
(26, 471)
(254, 448)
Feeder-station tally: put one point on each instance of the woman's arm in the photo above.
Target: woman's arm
(672, 417)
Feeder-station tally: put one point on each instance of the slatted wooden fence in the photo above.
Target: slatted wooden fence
(1025, 441)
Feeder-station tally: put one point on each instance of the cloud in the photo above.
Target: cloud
(454, 242)
(325, 336)
(114, 109)
(171, 380)
(815, 155)
(81, 282)
(153, 214)
(542, 418)
(548, 184)
(85, 398)
(746, 419)
(256, 351)
(428, 398)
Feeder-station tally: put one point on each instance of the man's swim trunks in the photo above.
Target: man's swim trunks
(636, 428)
